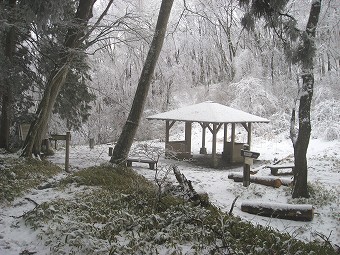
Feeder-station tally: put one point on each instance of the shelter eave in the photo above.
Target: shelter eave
(209, 121)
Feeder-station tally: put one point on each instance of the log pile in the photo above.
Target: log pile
(303, 212)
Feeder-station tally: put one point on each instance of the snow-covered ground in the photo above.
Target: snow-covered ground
(324, 172)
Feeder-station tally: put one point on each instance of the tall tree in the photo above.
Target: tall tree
(6, 86)
(122, 148)
(285, 26)
(305, 58)
(72, 45)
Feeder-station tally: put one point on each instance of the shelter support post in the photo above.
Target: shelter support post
(214, 131)
(188, 136)
(225, 141)
(233, 127)
(249, 135)
(247, 127)
(203, 150)
(168, 125)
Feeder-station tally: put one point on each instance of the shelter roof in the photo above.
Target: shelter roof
(209, 112)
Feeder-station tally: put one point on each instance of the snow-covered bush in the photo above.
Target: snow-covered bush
(246, 65)
(250, 95)
(326, 119)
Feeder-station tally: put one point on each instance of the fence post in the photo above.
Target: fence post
(246, 168)
(67, 156)
(91, 143)
(110, 151)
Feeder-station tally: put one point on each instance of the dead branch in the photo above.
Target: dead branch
(232, 206)
(25, 213)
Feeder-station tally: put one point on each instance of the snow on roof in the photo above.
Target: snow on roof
(209, 112)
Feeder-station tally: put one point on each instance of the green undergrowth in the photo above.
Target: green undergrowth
(116, 211)
(19, 175)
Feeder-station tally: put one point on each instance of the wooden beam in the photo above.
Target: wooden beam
(245, 126)
(211, 130)
(168, 125)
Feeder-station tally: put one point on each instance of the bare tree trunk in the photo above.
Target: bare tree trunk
(57, 79)
(301, 142)
(7, 97)
(122, 148)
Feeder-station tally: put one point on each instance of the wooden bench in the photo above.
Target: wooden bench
(275, 168)
(151, 162)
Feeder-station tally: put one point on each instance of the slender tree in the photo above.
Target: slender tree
(122, 148)
(285, 26)
(305, 58)
(6, 86)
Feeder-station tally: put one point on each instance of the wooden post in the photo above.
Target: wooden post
(225, 141)
(167, 131)
(67, 156)
(203, 150)
(249, 135)
(188, 137)
(91, 143)
(214, 132)
(232, 142)
(246, 169)
(110, 151)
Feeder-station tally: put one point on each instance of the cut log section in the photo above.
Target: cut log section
(283, 211)
(264, 180)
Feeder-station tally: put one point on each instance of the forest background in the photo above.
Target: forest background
(207, 55)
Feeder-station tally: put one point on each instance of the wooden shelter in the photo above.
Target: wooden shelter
(211, 116)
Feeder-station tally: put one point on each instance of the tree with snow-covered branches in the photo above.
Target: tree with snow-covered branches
(285, 26)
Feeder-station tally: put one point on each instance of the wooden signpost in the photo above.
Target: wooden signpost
(249, 156)
(66, 138)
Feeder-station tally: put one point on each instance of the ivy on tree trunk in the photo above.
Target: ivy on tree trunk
(122, 148)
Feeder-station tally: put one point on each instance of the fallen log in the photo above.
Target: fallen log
(264, 180)
(303, 212)
(188, 189)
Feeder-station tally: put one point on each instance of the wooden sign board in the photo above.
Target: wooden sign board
(248, 161)
(250, 154)
(58, 137)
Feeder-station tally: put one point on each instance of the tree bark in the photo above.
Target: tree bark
(122, 148)
(306, 95)
(57, 78)
(7, 96)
